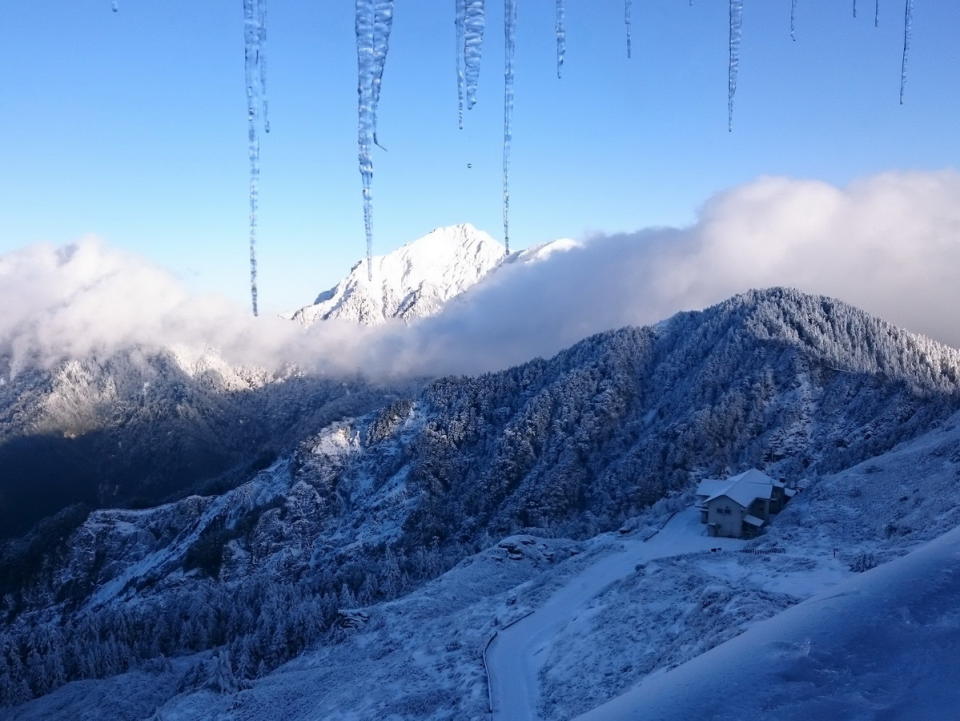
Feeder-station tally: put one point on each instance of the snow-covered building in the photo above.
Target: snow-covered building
(741, 505)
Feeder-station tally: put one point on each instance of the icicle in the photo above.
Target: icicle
(561, 35)
(373, 22)
(854, 8)
(262, 61)
(365, 72)
(382, 25)
(793, 20)
(627, 20)
(473, 26)
(876, 14)
(460, 12)
(115, 6)
(509, 49)
(907, 28)
(736, 25)
(254, 35)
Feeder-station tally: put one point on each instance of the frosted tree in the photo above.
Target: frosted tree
(220, 674)
(347, 600)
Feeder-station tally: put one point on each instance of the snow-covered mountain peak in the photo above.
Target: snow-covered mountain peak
(411, 282)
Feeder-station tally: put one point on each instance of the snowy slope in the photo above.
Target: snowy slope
(668, 603)
(411, 282)
(375, 509)
(517, 654)
(883, 645)
(419, 656)
(149, 425)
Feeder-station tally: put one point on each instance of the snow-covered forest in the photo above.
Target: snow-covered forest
(370, 508)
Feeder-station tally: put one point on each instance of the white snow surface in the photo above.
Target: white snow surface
(743, 488)
(620, 616)
(882, 645)
(517, 653)
(543, 251)
(419, 279)
(412, 282)
(265, 485)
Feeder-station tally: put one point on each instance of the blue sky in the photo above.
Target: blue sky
(131, 125)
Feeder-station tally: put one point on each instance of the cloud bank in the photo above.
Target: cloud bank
(889, 244)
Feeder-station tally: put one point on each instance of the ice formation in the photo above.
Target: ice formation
(254, 36)
(509, 50)
(907, 29)
(736, 24)
(373, 23)
(561, 31)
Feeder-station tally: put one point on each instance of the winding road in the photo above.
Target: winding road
(516, 654)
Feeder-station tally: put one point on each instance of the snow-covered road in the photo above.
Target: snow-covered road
(516, 654)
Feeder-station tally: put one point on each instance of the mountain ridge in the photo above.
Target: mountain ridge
(371, 506)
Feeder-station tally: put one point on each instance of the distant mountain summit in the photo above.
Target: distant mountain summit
(412, 282)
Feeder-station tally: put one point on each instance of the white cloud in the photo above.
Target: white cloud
(889, 244)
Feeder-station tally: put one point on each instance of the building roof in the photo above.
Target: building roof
(753, 520)
(712, 486)
(743, 489)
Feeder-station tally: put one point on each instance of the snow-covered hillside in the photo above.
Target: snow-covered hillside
(412, 282)
(420, 655)
(674, 602)
(516, 656)
(377, 549)
(882, 645)
(142, 426)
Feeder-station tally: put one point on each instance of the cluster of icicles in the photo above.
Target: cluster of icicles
(373, 23)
